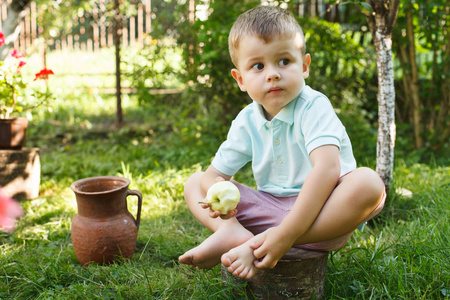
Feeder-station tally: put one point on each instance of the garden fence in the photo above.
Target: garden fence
(90, 32)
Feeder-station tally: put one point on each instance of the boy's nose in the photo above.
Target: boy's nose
(273, 74)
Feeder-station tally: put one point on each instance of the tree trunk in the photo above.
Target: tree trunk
(386, 108)
(381, 24)
(441, 120)
(414, 80)
(437, 99)
(11, 26)
(117, 34)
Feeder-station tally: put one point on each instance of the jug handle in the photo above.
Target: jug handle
(139, 195)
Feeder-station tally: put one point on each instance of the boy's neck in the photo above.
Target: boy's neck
(266, 114)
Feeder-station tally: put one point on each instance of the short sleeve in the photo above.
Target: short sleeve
(320, 125)
(236, 151)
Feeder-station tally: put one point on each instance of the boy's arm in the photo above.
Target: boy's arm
(318, 186)
(211, 176)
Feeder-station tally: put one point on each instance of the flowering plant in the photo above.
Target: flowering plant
(14, 97)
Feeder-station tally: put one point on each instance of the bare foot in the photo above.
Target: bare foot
(240, 261)
(208, 253)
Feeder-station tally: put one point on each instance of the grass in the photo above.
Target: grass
(402, 254)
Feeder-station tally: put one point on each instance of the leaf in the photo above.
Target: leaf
(366, 6)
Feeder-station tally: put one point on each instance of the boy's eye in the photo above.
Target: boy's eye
(284, 62)
(258, 67)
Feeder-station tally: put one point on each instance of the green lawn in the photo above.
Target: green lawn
(402, 254)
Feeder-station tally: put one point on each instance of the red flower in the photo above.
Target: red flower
(2, 38)
(17, 54)
(20, 65)
(9, 211)
(43, 74)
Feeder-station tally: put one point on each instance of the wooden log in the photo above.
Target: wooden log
(20, 173)
(300, 274)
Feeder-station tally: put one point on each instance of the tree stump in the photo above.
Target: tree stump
(20, 173)
(300, 274)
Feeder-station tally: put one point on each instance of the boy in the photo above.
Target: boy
(310, 194)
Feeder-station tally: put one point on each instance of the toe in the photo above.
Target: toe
(239, 270)
(244, 273)
(226, 261)
(185, 259)
(249, 275)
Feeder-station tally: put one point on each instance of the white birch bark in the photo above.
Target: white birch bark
(386, 108)
(381, 22)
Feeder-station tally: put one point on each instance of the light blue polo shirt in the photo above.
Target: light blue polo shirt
(279, 149)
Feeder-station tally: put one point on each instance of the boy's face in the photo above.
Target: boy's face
(271, 73)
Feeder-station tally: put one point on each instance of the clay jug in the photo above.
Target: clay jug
(104, 231)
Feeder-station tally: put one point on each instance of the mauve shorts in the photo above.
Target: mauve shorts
(259, 211)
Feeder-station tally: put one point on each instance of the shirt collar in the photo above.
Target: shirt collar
(260, 119)
(285, 115)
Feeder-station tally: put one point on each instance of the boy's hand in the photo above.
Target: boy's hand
(270, 246)
(215, 213)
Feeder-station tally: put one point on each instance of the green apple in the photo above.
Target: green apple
(223, 196)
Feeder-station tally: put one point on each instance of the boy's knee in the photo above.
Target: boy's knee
(372, 184)
(192, 182)
(194, 178)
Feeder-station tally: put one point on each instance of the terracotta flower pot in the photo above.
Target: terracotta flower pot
(13, 133)
(104, 230)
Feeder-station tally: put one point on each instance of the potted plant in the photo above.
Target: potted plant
(15, 98)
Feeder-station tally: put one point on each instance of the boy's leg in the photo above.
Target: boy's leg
(227, 233)
(354, 199)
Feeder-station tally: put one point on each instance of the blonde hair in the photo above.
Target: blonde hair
(266, 23)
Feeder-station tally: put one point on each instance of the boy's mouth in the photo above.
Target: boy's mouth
(275, 90)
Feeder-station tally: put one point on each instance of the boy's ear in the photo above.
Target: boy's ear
(306, 62)
(237, 76)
